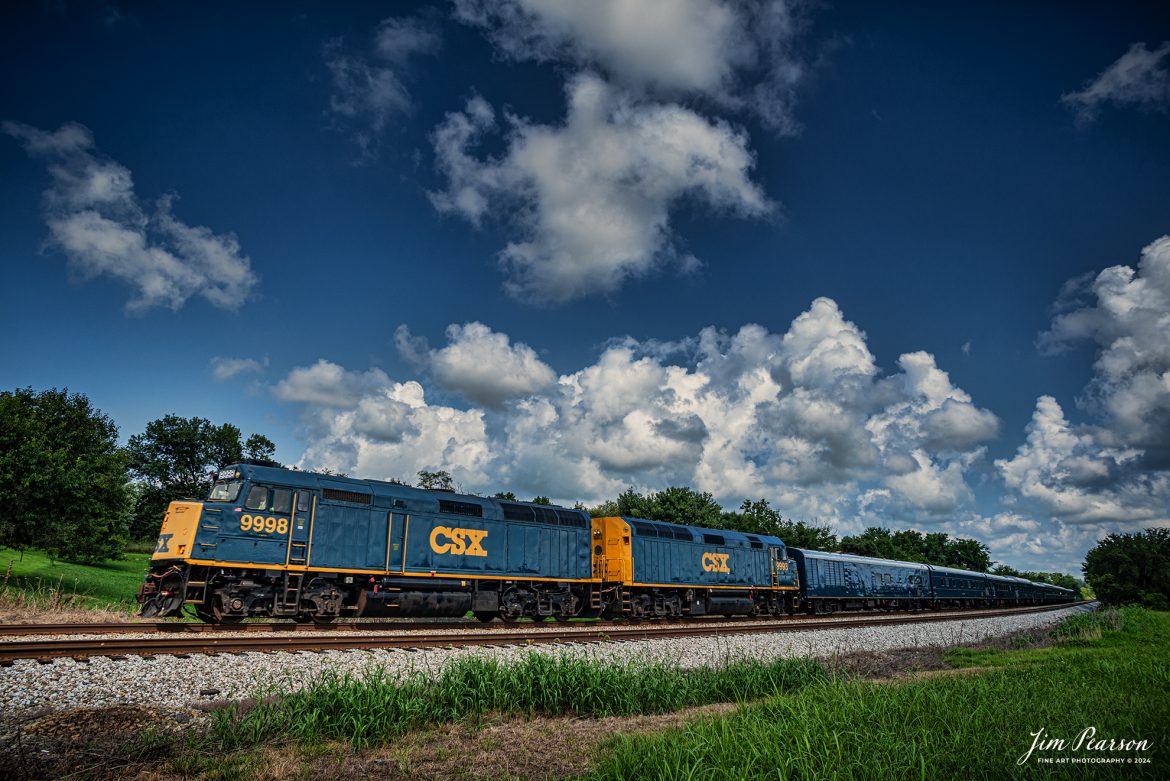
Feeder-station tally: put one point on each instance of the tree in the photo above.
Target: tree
(966, 553)
(505, 495)
(63, 480)
(436, 481)
(1131, 568)
(677, 504)
(755, 518)
(173, 459)
(874, 541)
(798, 534)
(541, 500)
(260, 450)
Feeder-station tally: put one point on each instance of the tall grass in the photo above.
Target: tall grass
(376, 708)
(35, 583)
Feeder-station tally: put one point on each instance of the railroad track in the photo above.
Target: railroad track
(185, 644)
(408, 625)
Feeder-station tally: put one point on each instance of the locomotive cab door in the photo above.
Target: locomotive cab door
(396, 542)
(301, 528)
(774, 564)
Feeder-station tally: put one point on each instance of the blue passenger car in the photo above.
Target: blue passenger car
(1003, 589)
(840, 581)
(959, 587)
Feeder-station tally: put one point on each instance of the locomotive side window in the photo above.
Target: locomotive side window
(257, 498)
(282, 500)
(302, 502)
(225, 491)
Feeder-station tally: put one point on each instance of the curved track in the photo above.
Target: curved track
(182, 643)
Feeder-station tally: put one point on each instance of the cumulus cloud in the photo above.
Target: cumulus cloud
(225, 368)
(805, 418)
(479, 363)
(1140, 78)
(1029, 544)
(733, 55)
(1068, 472)
(591, 199)
(370, 89)
(96, 219)
(1126, 314)
(328, 385)
(1116, 467)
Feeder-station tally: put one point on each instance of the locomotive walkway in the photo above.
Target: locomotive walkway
(180, 639)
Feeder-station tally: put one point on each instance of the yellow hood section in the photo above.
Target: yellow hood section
(178, 531)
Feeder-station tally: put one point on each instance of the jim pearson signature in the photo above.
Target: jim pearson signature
(1086, 740)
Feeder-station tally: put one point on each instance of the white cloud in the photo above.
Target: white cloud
(328, 385)
(1067, 472)
(1026, 543)
(367, 91)
(591, 199)
(1139, 78)
(733, 55)
(805, 418)
(1114, 469)
(225, 368)
(1129, 322)
(481, 364)
(96, 219)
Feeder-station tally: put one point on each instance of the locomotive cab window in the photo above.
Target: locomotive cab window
(225, 491)
(257, 498)
(282, 500)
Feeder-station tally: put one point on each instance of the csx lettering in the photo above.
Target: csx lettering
(458, 541)
(163, 547)
(715, 562)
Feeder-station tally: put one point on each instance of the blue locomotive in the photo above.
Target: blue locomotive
(311, 547)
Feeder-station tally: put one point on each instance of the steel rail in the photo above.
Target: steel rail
(413, 625)
(184, 645)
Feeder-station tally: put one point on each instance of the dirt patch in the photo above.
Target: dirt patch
(887, 664)
(86, 740)
(14, 609)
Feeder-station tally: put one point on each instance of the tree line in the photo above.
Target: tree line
(68, 488)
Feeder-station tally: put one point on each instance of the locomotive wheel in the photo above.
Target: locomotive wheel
(216, 614)
(485, 616)
(320, 620)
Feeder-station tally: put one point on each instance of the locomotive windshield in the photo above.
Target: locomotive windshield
(225, 491)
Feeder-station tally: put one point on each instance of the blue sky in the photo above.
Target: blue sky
(903, 266)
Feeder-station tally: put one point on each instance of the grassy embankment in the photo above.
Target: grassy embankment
(33, 585)
(1109, 670)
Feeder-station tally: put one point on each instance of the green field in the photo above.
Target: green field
(111, 584)
(1109, 671)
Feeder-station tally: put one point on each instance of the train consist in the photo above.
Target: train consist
(282, 543)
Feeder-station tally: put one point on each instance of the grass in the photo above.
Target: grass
(1109, 670)
(35, 583)
(377, 708)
